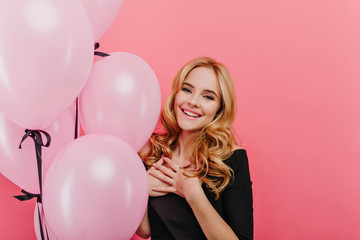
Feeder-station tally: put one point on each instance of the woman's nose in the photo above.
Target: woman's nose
(194, 101)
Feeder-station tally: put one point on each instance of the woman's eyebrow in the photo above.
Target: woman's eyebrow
(210, 91)
(188, 84)
(205, 90)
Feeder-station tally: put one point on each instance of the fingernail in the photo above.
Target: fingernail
(155, 165)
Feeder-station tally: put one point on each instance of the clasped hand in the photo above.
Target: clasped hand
(170, 178)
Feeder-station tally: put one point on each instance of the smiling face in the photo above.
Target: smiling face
(198, 100)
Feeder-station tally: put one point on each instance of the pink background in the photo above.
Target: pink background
(296, 69)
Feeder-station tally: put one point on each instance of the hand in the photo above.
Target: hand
(155, 182)
(177, 182)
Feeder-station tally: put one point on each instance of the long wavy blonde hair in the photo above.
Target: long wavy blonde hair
(211, 145)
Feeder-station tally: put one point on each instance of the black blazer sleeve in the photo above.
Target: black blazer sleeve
(237, 197)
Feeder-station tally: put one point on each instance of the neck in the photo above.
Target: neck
(183, 148)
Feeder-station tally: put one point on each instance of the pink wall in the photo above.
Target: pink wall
(296, 66)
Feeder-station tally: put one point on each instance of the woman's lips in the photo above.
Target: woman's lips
(191, 114)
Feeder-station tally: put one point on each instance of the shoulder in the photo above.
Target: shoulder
(236, 147)
(238, 160)
(239, 163)
(237, 153)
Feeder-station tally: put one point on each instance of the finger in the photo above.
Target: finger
(161, 176)
(164, 189)
(150, 169)
(161, 161)
(173, 165)
(186, 164)
(167, 171)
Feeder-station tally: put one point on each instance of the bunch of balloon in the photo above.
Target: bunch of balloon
(96, 188)
(121, 98)
(46, 54)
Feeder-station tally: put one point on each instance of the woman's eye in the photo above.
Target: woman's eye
(186, 90)
(209, 97)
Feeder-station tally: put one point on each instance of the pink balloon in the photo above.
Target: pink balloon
(122, 98)
(46, 53)
(46, 229)
(19, 165)
(101, 14)
(96, 188)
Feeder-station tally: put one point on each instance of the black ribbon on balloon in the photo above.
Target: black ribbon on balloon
(28, 196)
(36, 136)
(101, 54)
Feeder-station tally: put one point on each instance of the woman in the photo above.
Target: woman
(199, 181)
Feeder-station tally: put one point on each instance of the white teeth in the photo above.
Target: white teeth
(191, 114)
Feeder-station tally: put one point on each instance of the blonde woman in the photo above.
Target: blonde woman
(199, 179)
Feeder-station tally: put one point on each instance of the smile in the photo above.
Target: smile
(190, 113)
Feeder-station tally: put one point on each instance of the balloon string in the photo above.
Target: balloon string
(36, 136)
(42, 210)
(76, 118)
(101, 54)
(40, 225)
